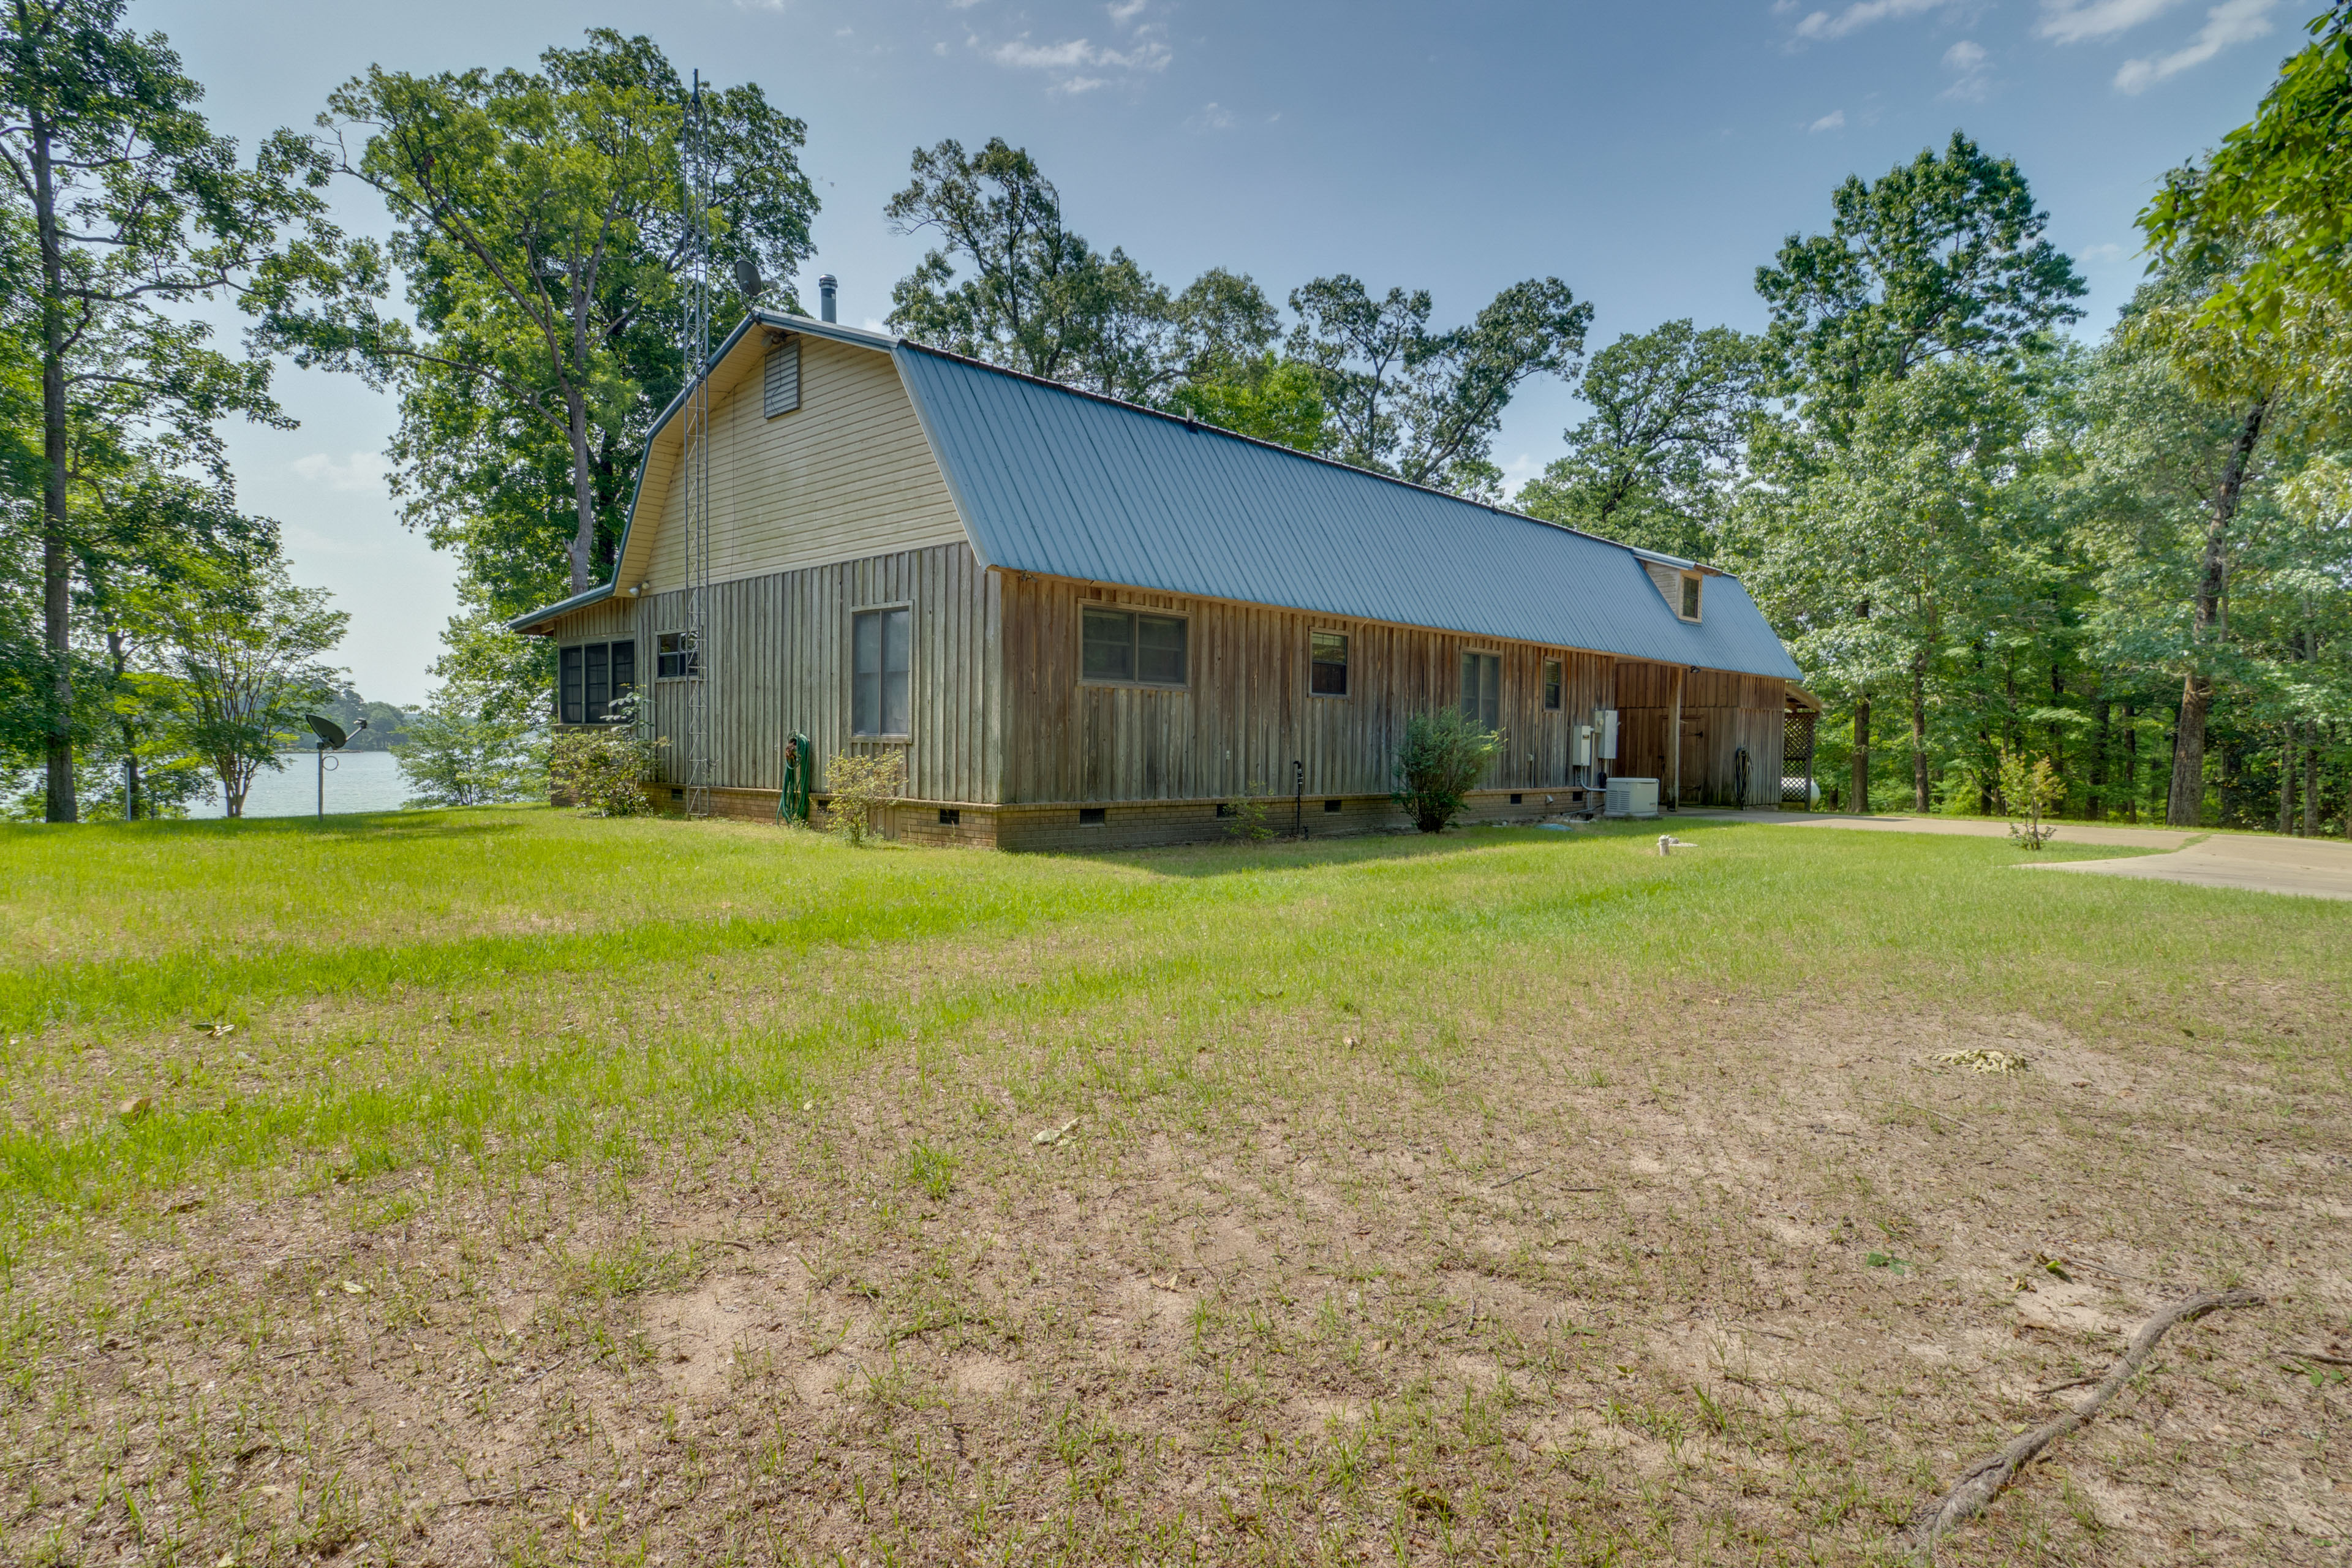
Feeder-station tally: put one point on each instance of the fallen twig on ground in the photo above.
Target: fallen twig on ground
(1985, 1479)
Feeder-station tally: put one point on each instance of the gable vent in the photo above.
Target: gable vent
(781, 391)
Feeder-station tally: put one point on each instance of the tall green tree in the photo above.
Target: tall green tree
(540, 226)
(1913, 514)
(134, 206)
(2284, 177)
(1011, 283)
(1654, 463)
(1939, 257)
(244, 645)
(1425, 404)
(2269, 379)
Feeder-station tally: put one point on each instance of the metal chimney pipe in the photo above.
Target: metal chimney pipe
(825, 287)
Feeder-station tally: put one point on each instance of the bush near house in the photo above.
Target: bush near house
(1443, 754)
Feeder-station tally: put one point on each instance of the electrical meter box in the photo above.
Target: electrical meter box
(1606, 725)
(1580, 750)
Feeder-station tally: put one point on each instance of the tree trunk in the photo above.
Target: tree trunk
(2099, 762)
(2131, 763)
(57, 560)
(121, 660)
(2311, 778)
(2287, 777)
(2187, 793)
(583, 493)
(1862, 752)
(2058, 731)
(1919, 733)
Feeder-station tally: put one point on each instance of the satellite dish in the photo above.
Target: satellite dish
(746, 278)
(331, 734)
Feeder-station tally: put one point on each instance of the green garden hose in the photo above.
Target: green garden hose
(792, 804)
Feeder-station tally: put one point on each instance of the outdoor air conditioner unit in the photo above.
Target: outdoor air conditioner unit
(1631, 797)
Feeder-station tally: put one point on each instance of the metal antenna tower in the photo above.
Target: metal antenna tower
(694, 347)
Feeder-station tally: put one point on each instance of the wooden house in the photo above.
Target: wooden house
(1084, 623)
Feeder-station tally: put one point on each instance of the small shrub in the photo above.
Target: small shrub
(1248, 820)
(605, 771)
(1443, 754)
(857, 785)
(2029, 791)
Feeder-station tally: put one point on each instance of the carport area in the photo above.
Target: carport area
(2313, 868)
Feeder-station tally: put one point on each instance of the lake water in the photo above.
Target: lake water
(356, 780)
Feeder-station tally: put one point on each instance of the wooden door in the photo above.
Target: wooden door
(1694, 760)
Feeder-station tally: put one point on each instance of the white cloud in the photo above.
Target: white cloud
(359, 471)
(1210, 117)
(1862, 14)
(1833, 121)
(2098, 255)
(1146, 52)
(2072, 21)
(1970, 79)
(2231, 22)
(1125, 11)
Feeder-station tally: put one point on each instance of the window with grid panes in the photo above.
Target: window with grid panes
(1132, 647)
(881, 664)
(592, 677)
(1482, 690)
(1327, 653)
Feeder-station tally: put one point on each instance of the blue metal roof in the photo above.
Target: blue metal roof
(1058, 483)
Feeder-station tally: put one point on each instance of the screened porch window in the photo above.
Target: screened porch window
(591, 678)
(881, 664)
(1482, 690)
(1131, 647)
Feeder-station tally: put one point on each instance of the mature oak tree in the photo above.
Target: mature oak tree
(540, 230)
(1425, 404)
(1653, 465)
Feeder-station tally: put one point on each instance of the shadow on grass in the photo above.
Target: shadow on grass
(458, 821)
(1280, 853)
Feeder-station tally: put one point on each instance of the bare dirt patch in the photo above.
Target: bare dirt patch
(1628, 1290)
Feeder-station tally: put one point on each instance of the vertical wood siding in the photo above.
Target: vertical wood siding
(779, 662)
(1720, 713)
(1245, 715)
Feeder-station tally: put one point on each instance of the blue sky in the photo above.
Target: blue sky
(1652, 155)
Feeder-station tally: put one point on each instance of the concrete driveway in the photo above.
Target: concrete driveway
(2313, 868)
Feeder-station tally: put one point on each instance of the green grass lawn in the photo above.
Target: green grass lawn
(412, 1147)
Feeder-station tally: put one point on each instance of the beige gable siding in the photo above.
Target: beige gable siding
(845, 475)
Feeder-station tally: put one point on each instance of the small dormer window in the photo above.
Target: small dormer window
(1689, 610)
